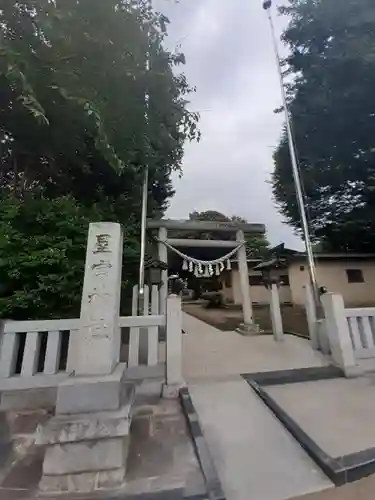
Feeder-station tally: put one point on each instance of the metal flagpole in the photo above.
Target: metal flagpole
(267, 4)
(141, 281)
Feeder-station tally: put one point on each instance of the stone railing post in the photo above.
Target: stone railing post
(338, 334)
(163, 257)
(244, 282)
(174, 379)
(311, 317)
(248, 327)
(275, 309)
(322, 335)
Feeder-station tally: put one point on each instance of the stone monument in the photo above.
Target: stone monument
(87, 440)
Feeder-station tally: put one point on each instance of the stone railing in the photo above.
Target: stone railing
(150, 308)
(48, 347)
(29, 347)
(361, 324)
(317, 327)
(351, 334)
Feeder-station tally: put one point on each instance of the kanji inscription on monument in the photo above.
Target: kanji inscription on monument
(99, 337)
(102, 243)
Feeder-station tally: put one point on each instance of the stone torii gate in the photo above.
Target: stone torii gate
(240, 229)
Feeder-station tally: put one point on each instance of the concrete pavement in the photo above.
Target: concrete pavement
(361, 490)
(256, 458)
(337, 414)
(209, 353)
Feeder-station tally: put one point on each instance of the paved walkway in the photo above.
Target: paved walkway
(361, 490)
(337, 414)
(211, 354)
(255, 456)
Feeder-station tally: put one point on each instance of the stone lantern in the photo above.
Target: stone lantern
(154, 268)
(271, 272)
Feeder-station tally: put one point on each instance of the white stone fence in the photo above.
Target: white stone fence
(351, 334)
(361, 324)
(150, 308)
(36, 346)
(317, 327)
(29, 359)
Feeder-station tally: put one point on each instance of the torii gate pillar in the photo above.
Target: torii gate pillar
(163, 257)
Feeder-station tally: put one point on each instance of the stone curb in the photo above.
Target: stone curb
(211, 477)
(340, 470)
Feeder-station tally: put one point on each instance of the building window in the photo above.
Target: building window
(256, 280)
(285, 280)
(301, 268)
(355, 276)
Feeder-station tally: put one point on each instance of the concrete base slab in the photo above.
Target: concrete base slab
(171, 391)
(94, 393)
(248, 330)
(366, 365)
(85, 482)
(149, 388)
(30, 393)
(88, 439)
(95, 460)
(337, 414)
(39, 381)
(256, 458)
(148, 391)
(85, 426)
(72, 458)
(85, 452)
(161, 463)
(161, 454)
(354, 371)
(142, 372)
(30, 399)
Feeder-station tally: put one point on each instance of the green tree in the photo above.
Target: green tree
(73, 81)
(332, 61)
(76, 131)
(42, 255)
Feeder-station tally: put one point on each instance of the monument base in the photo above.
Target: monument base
(87, 448)
(353, 371)
(249, 329)
(172, 391)
(87, 482)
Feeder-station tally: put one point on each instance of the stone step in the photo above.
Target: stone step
(255, 457)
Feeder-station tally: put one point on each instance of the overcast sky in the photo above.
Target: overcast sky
(230, 60)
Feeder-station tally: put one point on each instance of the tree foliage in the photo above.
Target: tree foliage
(73, 79)
(42, 255)
(88, 97)
(332, 102)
